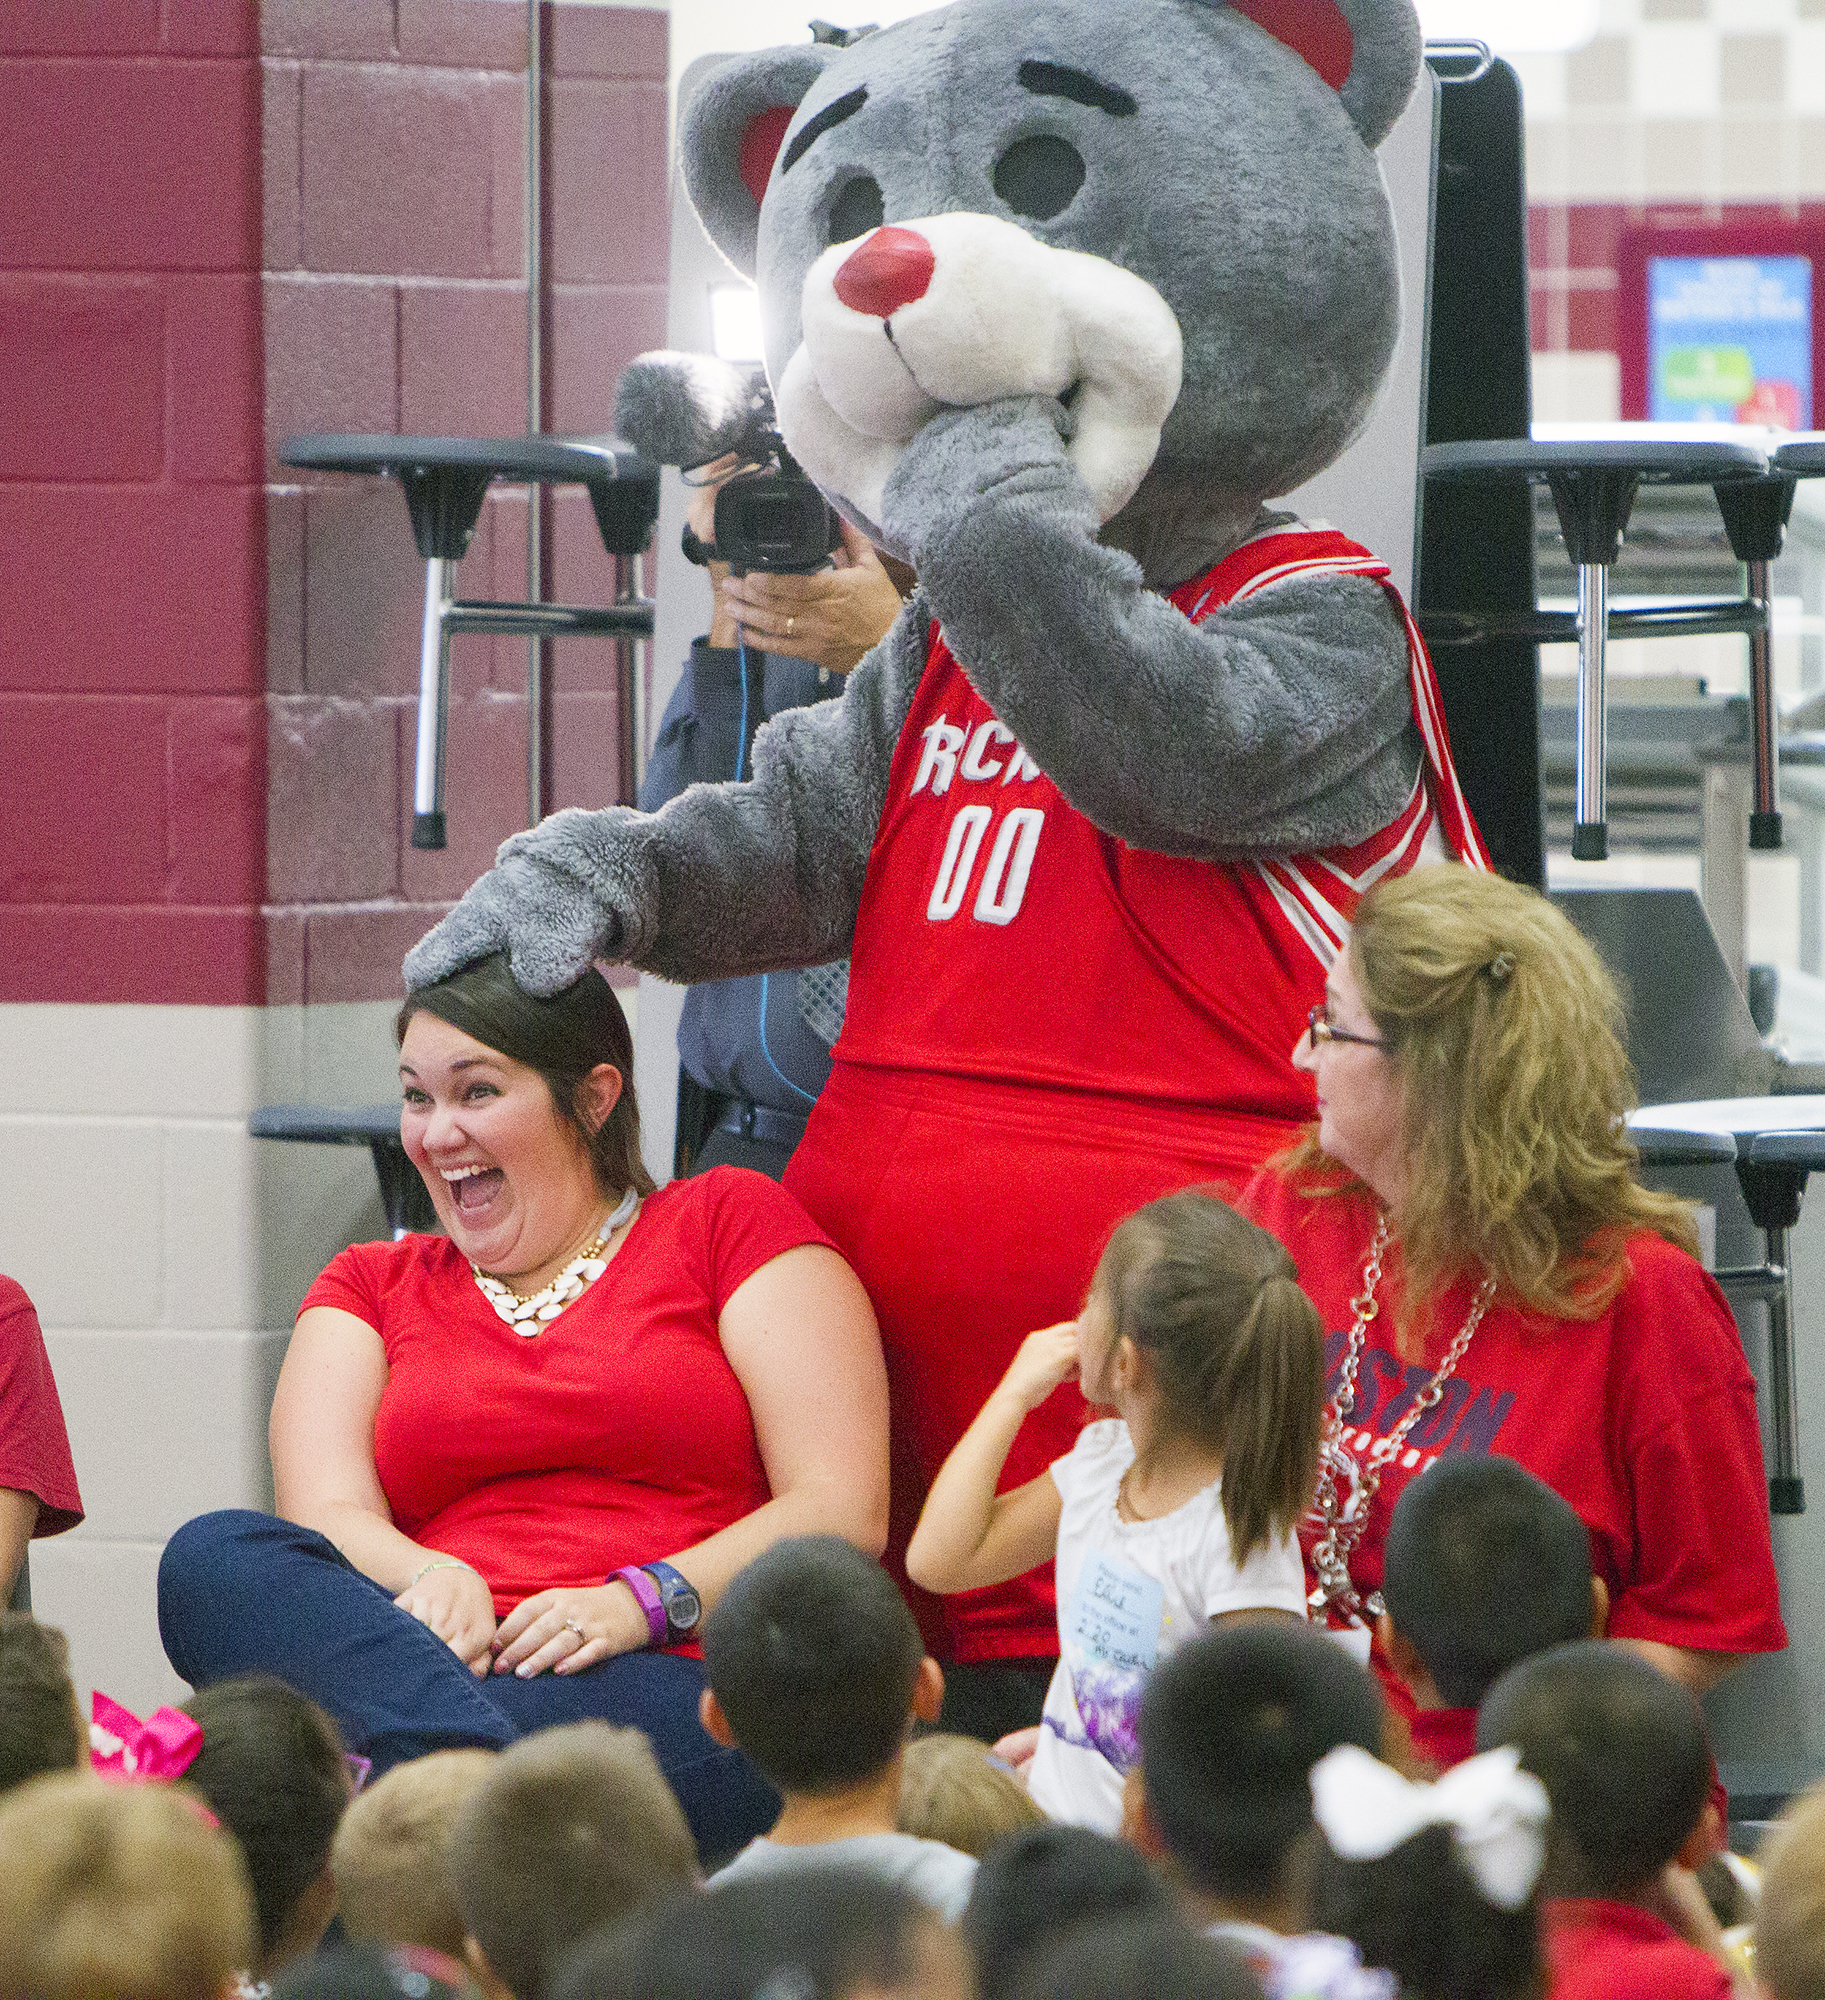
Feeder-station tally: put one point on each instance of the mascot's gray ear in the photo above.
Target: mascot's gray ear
(1368, 51)
(729, 135)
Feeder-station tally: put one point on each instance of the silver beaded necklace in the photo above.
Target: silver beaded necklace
(530, 1316)
(1343, 1524)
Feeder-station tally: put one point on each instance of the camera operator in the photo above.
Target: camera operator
(751, 1066)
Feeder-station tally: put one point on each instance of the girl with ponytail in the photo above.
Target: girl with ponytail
(1180, 1509)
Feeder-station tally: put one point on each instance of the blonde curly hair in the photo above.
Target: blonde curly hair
(1507, 1030)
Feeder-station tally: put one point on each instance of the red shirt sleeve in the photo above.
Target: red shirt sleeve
(748, 1220)
(34, 1446)
(1705, 1572)
(351, 1282)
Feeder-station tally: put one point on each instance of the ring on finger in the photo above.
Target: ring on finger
(571, 1625)
(791, 623)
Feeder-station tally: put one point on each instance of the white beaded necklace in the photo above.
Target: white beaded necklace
(529, 1317)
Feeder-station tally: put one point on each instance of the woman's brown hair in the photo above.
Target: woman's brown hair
(563, 1038)
(1213, 1302)
(1507, 1030)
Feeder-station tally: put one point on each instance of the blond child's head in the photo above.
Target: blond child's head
(1790, 1924)
(955, 1789)
(391, 1853)
(569, 1829)
(123, 1891)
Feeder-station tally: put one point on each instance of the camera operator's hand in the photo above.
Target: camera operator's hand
(830, 618)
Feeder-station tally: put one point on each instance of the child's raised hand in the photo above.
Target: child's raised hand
(1045, 1359)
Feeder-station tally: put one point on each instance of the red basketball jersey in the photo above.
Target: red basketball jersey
(1002, 935)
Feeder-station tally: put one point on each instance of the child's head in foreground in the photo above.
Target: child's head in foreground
(1622, 1753)
(40, 1725)
(364, 1972)
(824, 1934)
(816, 1666)
(1485, 1565)
(1232, 1347)
(572, 1828)
(272, 1770)
(391, 1853)
(1231, 1726)
(1452, 1908)
(955, 1789)
(1135, 1958)
(118, 1890)
(1790, 1924)
(1034, 1887)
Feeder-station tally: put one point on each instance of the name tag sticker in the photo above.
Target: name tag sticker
(1115, 1614)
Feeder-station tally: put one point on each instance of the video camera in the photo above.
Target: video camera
(689, 410)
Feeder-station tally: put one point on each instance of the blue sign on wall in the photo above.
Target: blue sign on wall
(1730, 340)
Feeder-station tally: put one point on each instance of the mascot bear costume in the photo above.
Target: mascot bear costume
(1055, 298)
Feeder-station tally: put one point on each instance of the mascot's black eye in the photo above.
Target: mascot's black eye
(1039, 177)
(856, 210)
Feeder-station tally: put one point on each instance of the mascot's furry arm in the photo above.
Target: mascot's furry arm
(1280, 724)
(722, 880)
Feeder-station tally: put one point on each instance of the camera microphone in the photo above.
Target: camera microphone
(687, 409)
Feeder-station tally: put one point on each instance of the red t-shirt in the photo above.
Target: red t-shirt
(619, 1433)
(1614, 1951)
(1443, 1736)
(34, 1446)
(1642, 1418)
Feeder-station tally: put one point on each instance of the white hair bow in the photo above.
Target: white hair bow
(1496, 1812)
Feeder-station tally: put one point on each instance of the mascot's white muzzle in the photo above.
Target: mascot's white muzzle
(955, 310)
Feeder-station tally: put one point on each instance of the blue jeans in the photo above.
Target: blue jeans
(240, 1592)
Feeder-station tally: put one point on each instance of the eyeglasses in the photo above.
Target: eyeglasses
(1319, 1026)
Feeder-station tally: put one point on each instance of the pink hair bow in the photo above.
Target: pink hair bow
(1496, 1812)
(155, 1751)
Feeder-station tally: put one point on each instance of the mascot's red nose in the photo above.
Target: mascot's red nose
(889, 271)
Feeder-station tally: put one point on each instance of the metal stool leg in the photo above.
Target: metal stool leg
(433, 707)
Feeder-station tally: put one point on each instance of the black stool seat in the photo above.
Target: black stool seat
(375, 1126)
(446, 479)
(1775, 1143)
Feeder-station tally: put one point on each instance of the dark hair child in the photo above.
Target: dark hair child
(1040, 1884)
(1138, 1958)
(1180, 1510)
(1436, 1883)
(827, 1935)
(40, 1725)
(1230, 1730)
(273, 1771)
(1621, 1750)
(1484, 1565)
(816, 1670)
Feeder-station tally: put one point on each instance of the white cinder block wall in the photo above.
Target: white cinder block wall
(166, 1252)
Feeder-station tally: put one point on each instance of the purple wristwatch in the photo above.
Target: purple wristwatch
(646, 1591)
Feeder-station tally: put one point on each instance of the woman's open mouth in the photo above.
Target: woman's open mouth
(473, 1188)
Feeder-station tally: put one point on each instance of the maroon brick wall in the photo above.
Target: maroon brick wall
(225, 221)
(132, 569)
(394, 147)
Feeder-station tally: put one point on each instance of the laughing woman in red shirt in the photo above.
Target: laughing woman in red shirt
(1468, 1221)
(515, 1463)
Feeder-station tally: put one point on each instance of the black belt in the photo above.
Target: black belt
(760, 1121)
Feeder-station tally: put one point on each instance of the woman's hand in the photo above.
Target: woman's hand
(1045, 1360)
(454, 1601)
(565, 1630)
(830, 618)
